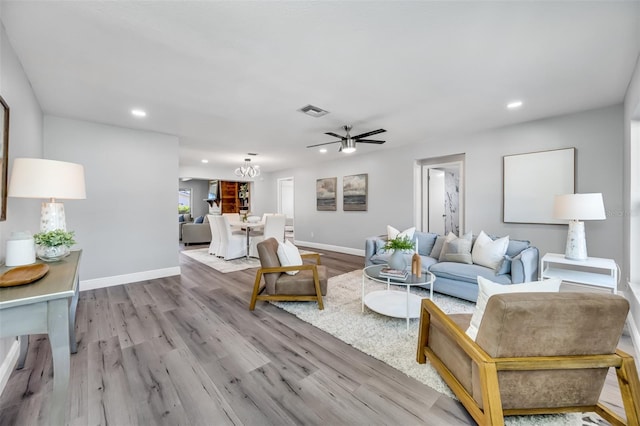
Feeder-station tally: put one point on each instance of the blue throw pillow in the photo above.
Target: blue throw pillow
(199, 219)
(180, 218)
(505, 268)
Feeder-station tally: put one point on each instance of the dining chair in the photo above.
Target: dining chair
(273, 228)
(232, 246)
(214, 247)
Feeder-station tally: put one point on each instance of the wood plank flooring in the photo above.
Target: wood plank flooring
(186, 350)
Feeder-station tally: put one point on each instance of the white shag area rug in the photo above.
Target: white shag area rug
(225, 266)
(386, 338)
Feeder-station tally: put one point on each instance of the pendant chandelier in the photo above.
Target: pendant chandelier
(247, 170)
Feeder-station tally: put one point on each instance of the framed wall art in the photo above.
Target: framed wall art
(530, 182)
(354, 193)
(4, 156)
(326, 194)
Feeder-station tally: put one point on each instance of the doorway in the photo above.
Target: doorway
(286, 202)
(442, 195)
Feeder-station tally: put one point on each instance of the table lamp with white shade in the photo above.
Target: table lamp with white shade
(576, 208)
(49, 179)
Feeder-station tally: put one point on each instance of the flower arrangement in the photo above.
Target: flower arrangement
(400, 243)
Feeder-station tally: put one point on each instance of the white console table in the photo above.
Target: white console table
(46, 306)
(601, 272)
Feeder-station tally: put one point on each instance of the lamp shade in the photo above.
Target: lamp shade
(579, 207)
(40, 178)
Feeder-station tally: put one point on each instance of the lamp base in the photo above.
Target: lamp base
(576, 248)
(52, 217)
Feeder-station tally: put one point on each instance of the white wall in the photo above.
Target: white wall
(127, 232)
(597, 135)
(25, 140)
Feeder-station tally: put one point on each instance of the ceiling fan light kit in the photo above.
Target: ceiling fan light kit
(348, 142)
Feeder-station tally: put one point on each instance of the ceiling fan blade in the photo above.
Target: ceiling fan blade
(320, 144)
(335, 135)
(364, 135)
(370, 141)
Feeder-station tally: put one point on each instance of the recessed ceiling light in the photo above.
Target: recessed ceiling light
(138, 113)
(205, 161)
(514, 104)
(323, 150)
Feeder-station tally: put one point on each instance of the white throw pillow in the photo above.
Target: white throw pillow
(487, 288)
(393, 233)
(289, 255)
(489, 253)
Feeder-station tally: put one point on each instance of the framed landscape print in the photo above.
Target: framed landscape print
(532, 180)
(326, 194)
(354, 193)
(4, 157)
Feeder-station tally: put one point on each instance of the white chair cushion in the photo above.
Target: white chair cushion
(487, 288)
(289, 255)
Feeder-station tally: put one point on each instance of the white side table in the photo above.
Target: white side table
(601, 272)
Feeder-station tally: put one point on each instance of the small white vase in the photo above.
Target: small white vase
(51, 254)
(397, 260)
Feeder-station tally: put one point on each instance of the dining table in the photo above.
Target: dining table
(247, 227)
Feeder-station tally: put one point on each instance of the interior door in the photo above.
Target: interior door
(436, 215)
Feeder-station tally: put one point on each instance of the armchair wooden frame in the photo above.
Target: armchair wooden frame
(258, 289)
(488, 367)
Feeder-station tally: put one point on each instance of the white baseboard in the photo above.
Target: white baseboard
(128, 278)
(339, 249)
(8, 364)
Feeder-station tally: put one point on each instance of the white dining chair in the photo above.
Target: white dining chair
(232, 246)
(273, 227)
(214, 247)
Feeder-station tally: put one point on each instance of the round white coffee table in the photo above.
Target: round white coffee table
(394, 303)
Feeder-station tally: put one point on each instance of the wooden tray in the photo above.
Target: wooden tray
(23, 274)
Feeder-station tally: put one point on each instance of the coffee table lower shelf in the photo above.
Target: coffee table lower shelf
(394, 303)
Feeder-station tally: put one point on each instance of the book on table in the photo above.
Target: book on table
(394, 273)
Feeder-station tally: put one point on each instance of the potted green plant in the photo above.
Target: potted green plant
(53, 245)
(398, 245)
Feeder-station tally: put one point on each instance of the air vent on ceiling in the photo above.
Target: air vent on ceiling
(313, 111)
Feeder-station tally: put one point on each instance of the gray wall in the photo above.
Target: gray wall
(25, 140)
(199, 192)
(122, 228)
(597, 135)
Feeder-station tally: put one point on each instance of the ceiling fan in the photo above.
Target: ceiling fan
(348, 142)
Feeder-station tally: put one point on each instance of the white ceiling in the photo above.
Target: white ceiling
(228, 77)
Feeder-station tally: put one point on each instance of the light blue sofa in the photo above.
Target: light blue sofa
(460, 279)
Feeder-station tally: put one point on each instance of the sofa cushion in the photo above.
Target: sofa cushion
(488, 288)
(180, 218)
(381, 258)
(505, 266)
(488, 252)
(425, 242)
(456, 245)
(516, 246)
(467, 273)
(393, 233)
(199, 219)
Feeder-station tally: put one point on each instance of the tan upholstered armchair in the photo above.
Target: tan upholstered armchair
(534, 353)
(309, 284)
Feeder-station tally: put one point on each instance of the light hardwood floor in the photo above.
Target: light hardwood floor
(186, 350)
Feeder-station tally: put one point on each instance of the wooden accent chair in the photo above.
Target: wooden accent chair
(535, 353)
(309, 284)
